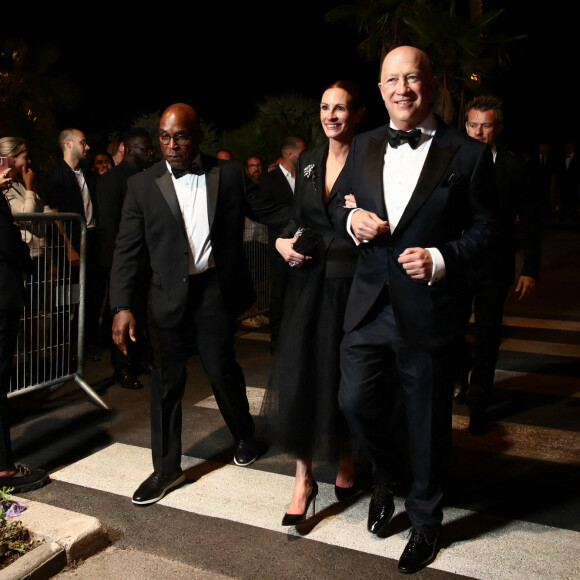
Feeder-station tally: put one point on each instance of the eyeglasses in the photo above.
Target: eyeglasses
(145, 148)
(178, 138)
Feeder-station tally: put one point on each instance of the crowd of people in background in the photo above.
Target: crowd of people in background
(357, 302)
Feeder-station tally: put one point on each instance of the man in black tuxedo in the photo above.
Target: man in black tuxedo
(279, 183)
(487, 286)
(425, 212)
(138, 155)
(15, 263)
(187, 212)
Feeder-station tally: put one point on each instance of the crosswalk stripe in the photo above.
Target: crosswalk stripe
(545, 323)
(513, 439)
(508, 549)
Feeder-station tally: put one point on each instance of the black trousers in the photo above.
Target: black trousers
(9, 322)
(425, 380)
(486, 301)
(207, 328)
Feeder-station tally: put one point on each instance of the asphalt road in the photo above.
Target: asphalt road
(512, 494)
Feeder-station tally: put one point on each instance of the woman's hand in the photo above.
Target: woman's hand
(27, 178)
(285, 247)
(349, 201)
(5, 180)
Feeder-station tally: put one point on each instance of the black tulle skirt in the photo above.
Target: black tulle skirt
(301, 402)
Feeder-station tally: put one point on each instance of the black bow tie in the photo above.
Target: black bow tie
(193, 168)
(397, 137)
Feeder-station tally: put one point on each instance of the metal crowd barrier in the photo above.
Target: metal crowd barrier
(50, 346)
(257, 253)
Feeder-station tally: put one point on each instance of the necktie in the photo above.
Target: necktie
(397, 137)
(193, 168)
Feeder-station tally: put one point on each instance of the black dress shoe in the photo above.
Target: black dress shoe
(155, 487)
(381, 509)
(246, 452)
(419, 552)
(127, 380)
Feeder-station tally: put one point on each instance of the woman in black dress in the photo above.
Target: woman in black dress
(303, 390)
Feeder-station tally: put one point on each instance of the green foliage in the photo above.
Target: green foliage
(467, 50)
(15, 539)
(277, 117)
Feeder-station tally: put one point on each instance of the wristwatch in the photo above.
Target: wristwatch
(118, 309)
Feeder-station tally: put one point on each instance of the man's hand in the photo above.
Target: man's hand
(525, 287)
(417, 262)
(122, 322)
(367, 226)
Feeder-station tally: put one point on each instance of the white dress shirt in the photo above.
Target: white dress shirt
(191, 194)
(401, 170)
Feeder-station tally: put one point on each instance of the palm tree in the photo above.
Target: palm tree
(466, 52)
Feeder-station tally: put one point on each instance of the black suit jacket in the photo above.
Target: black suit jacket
(63, 193)
(275, 185)
(14, 260)
(453, 208)
(516, 201)
(111, 189)
(152, 220)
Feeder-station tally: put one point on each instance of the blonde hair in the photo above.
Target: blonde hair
(12, 146)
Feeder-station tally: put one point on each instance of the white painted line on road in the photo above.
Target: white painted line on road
(505, 549)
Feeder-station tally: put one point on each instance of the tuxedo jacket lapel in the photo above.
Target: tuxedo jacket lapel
(438, 159)
(375, 162)
(212, 181)
(165, 184)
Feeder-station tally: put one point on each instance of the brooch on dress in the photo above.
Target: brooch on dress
(310, 173)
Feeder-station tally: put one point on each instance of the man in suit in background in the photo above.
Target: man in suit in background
(279, 183)
(187, 212)
(425, 196)
(71, 188)
(488, 286)
(138, 155)
(568, 183)
(15, 263)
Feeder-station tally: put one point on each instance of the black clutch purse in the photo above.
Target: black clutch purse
(307, 241)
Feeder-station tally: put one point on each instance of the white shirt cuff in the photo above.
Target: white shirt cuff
(438, 271)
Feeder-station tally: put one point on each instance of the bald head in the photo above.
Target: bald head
(407, 86)
(180, 135)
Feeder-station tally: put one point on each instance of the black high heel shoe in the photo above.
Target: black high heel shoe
(294, 519)
(344, 493)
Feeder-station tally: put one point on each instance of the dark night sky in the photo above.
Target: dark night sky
(223, 66)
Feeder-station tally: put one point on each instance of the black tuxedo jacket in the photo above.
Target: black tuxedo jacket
(152, 220)
(453, 208)
(14, 260)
